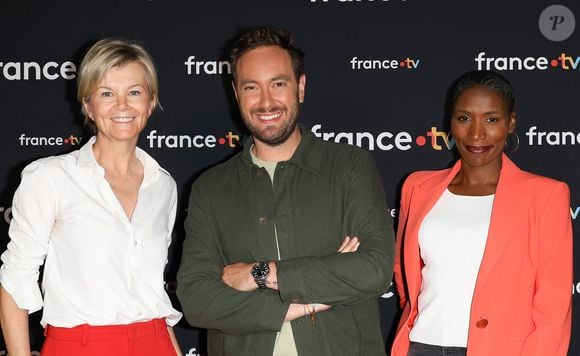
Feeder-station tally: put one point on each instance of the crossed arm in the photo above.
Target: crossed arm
(238, 276)
(215, 294)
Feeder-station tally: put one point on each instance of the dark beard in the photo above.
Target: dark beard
(272, 136)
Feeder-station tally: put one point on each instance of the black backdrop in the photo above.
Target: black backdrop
(377, 72)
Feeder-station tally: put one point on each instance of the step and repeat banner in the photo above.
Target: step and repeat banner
(378, 72)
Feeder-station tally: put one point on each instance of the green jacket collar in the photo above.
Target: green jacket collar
(308, 156)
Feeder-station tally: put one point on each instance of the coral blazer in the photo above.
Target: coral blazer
(522, 302)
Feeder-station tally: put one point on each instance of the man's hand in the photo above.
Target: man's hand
(349, 245)
(296, 311)
(239, 276)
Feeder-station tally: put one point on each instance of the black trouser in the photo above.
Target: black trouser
(419, 349)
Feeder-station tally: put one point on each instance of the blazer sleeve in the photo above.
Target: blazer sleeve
(552, 303)
(402, 223)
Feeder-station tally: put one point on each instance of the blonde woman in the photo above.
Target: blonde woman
(100, 219)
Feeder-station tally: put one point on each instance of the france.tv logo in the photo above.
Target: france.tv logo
(26, 140)
(386, 140)
(563, 61)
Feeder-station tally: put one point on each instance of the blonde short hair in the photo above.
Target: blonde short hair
(106, 54)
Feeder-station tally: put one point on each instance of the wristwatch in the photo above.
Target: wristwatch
(260, 272)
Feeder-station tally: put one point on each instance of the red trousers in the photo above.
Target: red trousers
(139, 339)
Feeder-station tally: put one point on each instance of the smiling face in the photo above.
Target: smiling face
(268, 94)
(480, 124)
(121, 103)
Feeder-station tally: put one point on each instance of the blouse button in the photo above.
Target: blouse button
(481, 324)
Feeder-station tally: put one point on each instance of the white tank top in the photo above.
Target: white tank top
(452, 239)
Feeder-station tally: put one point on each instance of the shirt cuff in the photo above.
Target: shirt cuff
(26, 295)
(291, 284)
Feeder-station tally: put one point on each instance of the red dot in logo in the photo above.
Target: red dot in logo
(421, 140)
(222, 141)
(66, 140)
(402, 64)
(554, 62)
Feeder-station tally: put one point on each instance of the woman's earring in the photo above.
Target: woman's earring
(512, 142)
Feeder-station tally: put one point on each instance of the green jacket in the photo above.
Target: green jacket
(325, 192)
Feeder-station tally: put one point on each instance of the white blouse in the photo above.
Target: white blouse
(452, 240)
(100, 268)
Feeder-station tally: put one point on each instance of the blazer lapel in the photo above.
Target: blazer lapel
(510, 204)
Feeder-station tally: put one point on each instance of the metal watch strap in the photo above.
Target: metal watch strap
(260, 272)
(260, 282)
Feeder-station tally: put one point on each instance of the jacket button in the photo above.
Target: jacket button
(262, 220)
(259, 173)
(481, 324)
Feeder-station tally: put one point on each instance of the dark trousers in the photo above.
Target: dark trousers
(419, 349)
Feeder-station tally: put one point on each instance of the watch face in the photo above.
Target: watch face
(259, 273)
(260, 270)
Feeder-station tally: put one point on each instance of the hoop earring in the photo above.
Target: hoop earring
(512, 142)
(450, 142)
